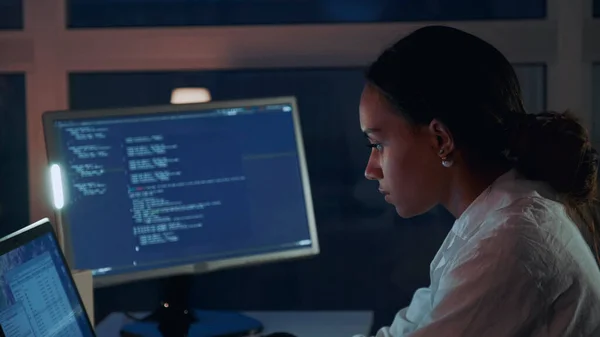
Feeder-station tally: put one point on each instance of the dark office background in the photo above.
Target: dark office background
(371, 259)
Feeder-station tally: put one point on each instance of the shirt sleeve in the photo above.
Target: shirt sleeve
(407, 319)
(491, 290)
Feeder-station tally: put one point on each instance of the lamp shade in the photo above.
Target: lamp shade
(190, 95)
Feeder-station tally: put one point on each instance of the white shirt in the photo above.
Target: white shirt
(514, 264)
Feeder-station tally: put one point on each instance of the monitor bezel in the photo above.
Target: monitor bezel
(36, 230)
(53, 153)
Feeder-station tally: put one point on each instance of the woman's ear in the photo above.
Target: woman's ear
(443, 142)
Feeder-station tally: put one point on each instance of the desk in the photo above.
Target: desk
(299, 323)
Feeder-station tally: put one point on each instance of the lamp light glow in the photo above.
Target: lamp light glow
(57, 186)
(190, 95)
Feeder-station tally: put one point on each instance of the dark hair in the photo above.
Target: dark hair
(446, 74)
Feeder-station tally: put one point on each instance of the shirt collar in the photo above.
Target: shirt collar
(501, 193)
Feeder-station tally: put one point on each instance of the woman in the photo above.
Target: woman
(444, 116)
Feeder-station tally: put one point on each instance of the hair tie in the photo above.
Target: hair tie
(517, 120)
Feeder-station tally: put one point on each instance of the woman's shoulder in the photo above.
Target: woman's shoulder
(530, 210)
(536, 231)
(520, 228)
(531, 217)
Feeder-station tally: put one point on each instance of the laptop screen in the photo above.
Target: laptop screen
(37, 295)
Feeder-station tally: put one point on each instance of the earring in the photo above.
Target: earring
(445, 161)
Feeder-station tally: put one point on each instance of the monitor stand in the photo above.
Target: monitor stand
(176, 318)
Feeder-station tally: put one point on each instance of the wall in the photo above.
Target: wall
(14, 195)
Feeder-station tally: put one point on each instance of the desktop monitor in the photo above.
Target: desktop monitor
(166, 190)
(159, 191)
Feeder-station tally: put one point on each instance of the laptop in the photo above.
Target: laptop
(38, 297)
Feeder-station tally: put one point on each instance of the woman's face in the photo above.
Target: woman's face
(405, 159)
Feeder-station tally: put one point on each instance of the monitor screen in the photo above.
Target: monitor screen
(37, 294)
(170, 186)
